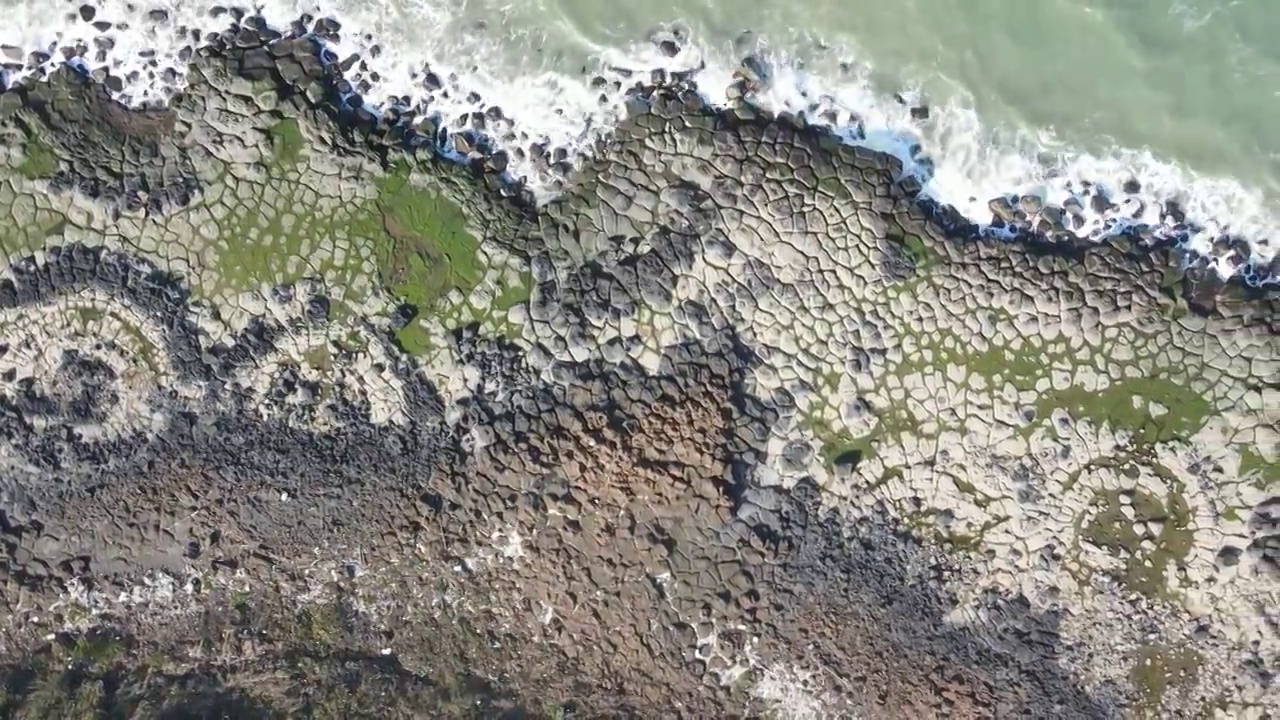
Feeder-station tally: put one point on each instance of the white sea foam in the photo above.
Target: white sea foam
(965, 163)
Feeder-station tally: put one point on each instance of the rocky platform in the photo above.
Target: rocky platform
(299, 418)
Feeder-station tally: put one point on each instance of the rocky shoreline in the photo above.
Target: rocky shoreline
(476, 128)
(302, 416)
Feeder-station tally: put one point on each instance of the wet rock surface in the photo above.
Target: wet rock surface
(297, 416)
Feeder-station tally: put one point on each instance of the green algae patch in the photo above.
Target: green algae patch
(1148, 534)
(97, 649)
(1257, 470)
(1160, 669)
(71, 678)
(257, 249)
(837, 446)
(1022, 368)
(88, 315)
(933, 524)
(146, 351)
(429, 250)
(914, 246)
(414, 339)
(319, 357)
(39, 160)
(413, 243)
(287, 144)
(514, 294)
(510, 294)
(28, 238)
(426, 253)
(998, 362)
(1127, 405)
(969, 542)
(322, 626)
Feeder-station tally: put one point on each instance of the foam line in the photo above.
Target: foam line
(545, 120)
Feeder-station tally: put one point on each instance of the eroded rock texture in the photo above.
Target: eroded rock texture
(298, 417)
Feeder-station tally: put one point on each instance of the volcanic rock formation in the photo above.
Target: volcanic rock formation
(302, 413)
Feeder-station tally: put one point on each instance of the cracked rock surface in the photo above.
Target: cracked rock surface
(298, 417)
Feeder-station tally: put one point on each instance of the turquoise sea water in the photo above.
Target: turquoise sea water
(1196, 81)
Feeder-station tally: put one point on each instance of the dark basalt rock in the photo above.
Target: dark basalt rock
(634, 494)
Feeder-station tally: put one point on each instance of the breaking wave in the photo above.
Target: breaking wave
(420, 57)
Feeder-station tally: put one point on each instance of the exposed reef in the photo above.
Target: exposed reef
(306, 410)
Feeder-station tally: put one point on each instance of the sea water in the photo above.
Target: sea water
(1153, 100)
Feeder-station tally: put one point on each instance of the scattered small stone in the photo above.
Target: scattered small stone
(1172, 212)
(1002, 209)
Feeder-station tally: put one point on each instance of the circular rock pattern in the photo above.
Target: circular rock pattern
(735, 426)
